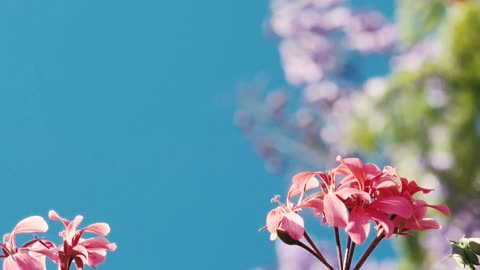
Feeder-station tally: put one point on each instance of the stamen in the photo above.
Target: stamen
(276, 199)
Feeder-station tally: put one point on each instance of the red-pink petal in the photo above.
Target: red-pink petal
(344, 193)
(414, 188)
(393, 205)
(383, 220)
(335, 210)
(442, 208)
(358, 226)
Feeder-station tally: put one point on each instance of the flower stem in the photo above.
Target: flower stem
(339, 248)
(369, 251)
(349, 253)
(317, 252)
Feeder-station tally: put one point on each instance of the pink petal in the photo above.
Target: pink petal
(274, 217)
(9, 264)
(71, 229)
(302, 182)
(397, 205)
(429, 224)
(81, 250)
(354, 166)
(95, 259)
(28, 225)
(98, 228)
(335, 211)
(371, 170)
(414, 188)
(22, 261)
(316, 204)
(383, 220)
(293, 225)
(97, 243)
(344, 193)
(54, 216)
(358, 226)
(442, 208)
(39, 248)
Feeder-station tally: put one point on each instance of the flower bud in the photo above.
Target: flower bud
(458, 253)
(474, 244)
(463, 255)
(286, 238)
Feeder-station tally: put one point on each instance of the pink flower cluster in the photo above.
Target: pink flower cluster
(74, 249)
(350, 197)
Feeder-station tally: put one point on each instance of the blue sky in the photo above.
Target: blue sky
(122, 111)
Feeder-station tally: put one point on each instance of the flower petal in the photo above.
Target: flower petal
(54, 216)
(358, 226)
(442, 208)
(293, 225)
(274, 217)
(302, 182)
(98, 228)
(71, 229)
(335, 211)
(28, 225)
(397, 205)
(346, 192)
(22, 261)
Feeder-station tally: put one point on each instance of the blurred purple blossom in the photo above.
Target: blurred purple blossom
(315, 36)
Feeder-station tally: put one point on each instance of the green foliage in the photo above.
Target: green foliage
(417, 19)
(418, 129)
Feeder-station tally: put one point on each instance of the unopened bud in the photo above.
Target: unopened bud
(471, 257)
(458, 253)
(462, 254)
(286, 238)
(474, 244)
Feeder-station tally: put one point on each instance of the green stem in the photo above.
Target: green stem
(317, 252)
(339, 248)
(369, 251)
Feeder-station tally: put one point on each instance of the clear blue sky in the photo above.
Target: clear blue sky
(122, 111)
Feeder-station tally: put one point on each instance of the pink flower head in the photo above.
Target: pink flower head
(418, 221)
(285, 217)
(23, 258)
(349, 191)
(91, 252)
(377, 198)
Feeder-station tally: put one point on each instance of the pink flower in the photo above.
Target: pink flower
(350, 191)
(285, 217)
(91, 252)
(383, 199)
(23, 258)
(418, 221)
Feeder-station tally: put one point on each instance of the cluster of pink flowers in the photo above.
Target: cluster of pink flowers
(350, 197)
(74, 249)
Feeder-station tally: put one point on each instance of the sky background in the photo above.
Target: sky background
(121, 111)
